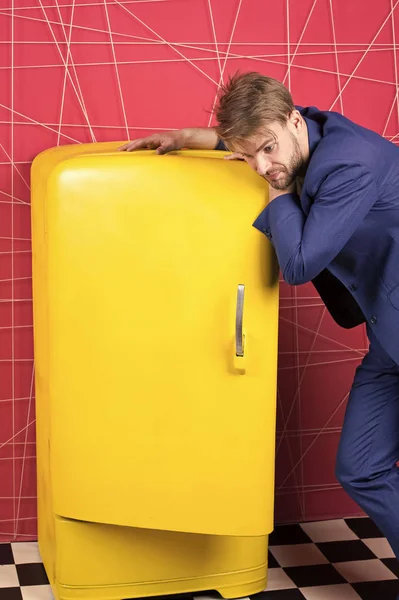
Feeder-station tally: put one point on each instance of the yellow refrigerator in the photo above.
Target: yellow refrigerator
(155, 333)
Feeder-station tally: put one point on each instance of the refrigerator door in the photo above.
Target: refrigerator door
(161, 339)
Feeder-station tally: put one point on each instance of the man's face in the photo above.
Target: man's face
(274, 156)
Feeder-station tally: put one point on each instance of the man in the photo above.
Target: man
(333, 218)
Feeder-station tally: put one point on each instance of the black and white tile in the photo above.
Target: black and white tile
(344, 559)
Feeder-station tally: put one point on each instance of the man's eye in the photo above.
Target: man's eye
(268, 148)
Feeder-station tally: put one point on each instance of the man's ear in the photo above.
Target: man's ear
(295, 119)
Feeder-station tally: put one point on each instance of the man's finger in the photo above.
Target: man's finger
(129, 147)
(165, 148)
(233, 156)
(135, 144)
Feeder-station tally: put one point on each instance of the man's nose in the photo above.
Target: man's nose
(262, 165)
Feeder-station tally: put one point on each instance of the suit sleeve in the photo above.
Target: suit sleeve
(306, 245)
(220, 145)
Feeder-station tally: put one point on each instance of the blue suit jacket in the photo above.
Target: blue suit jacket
(342, 233)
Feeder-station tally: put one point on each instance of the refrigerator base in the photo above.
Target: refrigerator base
(105, 562)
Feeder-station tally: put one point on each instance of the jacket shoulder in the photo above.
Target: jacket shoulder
(343, 147)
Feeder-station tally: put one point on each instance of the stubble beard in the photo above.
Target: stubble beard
(290, 172)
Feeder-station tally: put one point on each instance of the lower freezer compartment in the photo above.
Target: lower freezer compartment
(228, 586)
(107, 562)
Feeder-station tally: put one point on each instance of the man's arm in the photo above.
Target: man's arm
(203, 138)
(306, 245)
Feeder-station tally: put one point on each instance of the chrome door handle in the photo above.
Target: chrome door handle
(239, 320)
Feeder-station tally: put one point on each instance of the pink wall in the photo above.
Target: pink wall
(82, 70)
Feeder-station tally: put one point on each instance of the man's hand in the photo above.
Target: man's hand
(234, 156)
(291, 189)
(204, 138)
(161, 142)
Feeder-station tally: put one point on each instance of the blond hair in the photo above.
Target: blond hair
(250, 102)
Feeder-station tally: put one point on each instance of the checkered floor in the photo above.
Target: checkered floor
(328, 560)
